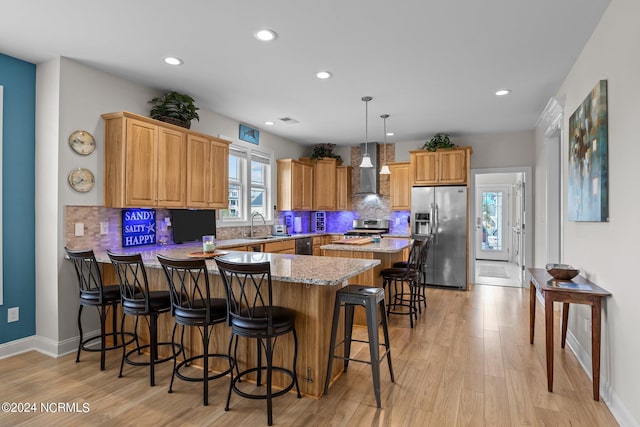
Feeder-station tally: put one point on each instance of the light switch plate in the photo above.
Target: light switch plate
(104, 227)
(79, 229)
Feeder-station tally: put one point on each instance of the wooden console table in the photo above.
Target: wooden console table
(577, 291)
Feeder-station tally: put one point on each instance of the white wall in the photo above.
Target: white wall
(606, 252)
(47, 212)
(490, 150)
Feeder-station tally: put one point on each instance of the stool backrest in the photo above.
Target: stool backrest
(422, 254)
(248, 290)
(188, 281)
(87, 271)
(132, 279)
(414, 254)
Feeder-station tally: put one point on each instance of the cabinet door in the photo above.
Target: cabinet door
(198, 157)
(452, 167)
(400, 188)
(425, 168)
(171, 167)
(324, 186)
(343, 188)
(307, 188)
(219, 175)
(141, 171)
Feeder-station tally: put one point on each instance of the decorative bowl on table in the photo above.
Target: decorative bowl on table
(562, 271)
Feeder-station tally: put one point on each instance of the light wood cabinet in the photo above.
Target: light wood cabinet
(319, 241)
(295, 185)
(280, 247)
(442, 167)
(400, 186)
(343, 188)
(145, 164)
(207, 172)
(324, 184)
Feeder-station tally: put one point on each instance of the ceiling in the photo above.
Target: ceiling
(432, 65)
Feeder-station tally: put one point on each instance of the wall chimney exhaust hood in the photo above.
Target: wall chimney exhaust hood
(369, 179)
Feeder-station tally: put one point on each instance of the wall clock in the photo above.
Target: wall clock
(81, 180)
(82, 142)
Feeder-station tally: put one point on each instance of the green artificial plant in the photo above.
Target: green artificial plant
(439, 140)
(178, 108)
(321, 151)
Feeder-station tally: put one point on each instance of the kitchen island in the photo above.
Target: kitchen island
(306, 284)
(387, 251)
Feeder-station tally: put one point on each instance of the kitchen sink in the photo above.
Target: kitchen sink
(262, 238)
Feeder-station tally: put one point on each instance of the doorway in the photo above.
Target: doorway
(499, 250)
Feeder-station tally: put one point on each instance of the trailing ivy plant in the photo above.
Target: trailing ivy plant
(439, 140)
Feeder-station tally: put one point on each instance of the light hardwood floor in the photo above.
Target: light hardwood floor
(468, 362)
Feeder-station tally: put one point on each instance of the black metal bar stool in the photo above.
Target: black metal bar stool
(94, 294)
(192, 305)
(137, 300)
(372, 299)
(252, 315)
(400, 302)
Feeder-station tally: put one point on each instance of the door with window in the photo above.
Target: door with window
(492, 222)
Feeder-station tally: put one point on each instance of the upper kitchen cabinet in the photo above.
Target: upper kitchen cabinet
(400, 186)
(145, 163)
(343, 188)
(295, 185)
(441, 167)
(207, 172)
(324, 184)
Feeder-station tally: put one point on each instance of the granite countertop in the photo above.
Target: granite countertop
(313, 270)
(386, 245)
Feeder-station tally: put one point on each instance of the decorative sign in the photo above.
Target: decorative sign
(138, 227)
(249, 134)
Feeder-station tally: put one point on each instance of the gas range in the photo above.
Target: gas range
(368, 227)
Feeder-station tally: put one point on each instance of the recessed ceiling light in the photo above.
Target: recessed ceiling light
(390, 133)
(503, 92)
(269, 123)
(266, 35)
(172, 60)
(324, 75)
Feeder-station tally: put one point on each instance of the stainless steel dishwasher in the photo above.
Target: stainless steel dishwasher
(304, 246)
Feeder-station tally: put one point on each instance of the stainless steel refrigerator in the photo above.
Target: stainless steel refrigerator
(441, 213)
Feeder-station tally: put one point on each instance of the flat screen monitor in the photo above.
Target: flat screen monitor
(189, 225)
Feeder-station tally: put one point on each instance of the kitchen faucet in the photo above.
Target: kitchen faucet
(253, 215)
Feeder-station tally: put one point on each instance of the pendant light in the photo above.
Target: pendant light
(366, 159)
(384, 170)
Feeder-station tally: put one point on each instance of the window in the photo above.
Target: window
(249, 185)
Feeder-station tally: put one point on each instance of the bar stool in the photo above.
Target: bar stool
(192, 305)
(94, 294)
(137, 300)
(372, 299)
(253, 315)
(398, 276)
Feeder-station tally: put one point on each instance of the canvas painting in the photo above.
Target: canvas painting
(249, 134)
(588, 158)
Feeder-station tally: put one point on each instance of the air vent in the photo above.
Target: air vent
(289, 120)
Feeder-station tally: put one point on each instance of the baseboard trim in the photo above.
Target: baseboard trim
(43, 345)
(608, 396)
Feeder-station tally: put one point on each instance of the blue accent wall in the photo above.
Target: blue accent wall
(18, 197)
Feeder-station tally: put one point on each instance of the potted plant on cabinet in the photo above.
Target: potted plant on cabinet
(321, 151)
(174, 108)
(439, 140)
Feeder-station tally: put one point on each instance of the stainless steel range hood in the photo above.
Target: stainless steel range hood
(369, 178)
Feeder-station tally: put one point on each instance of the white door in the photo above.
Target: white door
(492, 222)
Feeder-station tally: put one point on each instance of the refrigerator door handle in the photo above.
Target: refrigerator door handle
(431, 221)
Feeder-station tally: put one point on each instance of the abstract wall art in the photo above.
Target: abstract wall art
(588, 198)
